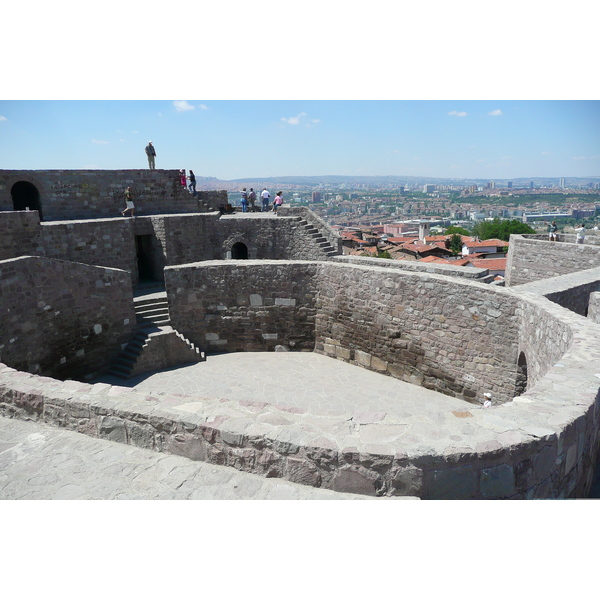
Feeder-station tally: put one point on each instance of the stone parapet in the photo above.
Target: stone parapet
(531, 258)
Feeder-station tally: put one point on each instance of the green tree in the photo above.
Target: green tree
(459, 230)
(501, 230)
(384, 254)
(454, 244)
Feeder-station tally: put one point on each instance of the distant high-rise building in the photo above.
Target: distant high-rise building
(531, 185)
(428, 188)
(509, 185)
(316, 197)
(401, 189)
(562, 182)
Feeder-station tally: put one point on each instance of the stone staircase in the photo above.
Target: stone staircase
(312, 232)
(156, 345)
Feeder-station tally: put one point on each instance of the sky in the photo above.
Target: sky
(233, 139)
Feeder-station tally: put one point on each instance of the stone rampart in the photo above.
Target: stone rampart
(244, 305)
(60, 318)
(93, 194)
(542, 444)
(145, 245)
(531, 258)
(455, 337)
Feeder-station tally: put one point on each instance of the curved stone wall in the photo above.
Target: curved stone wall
(541, 444)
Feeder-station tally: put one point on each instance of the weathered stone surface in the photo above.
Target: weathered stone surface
(497, 482)
(357, 480)
(458, 483)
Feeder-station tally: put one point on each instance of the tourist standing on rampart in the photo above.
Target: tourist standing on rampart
(252, 199)
(128, 202)
(580, 233)
(278, 201)
(244, 200)
(150, 153)
(192, 179)
(182, 178)
(552, 232)
(265, 200)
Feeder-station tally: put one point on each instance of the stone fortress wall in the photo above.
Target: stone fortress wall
(531, 344)
(94, 194)
(541, 444)
(62, 318)
(531, 257)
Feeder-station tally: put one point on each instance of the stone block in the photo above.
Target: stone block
(113, 428)
(407, 481)
(362, 358)
(497, 482)
(357, 480)
(302, 471)
(458, 483)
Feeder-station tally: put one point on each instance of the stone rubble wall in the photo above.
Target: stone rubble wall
(542, 444)
(247, 306)
(455, 337)
(19, 234)
(58, 318)
(531, 258)
(93, 194)
(100, 242)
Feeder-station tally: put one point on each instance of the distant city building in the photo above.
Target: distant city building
(562, 182)
(509, 185)
(316, 197)
(531, 185)
(428, 188)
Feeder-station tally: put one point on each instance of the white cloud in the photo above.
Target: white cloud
(182, 105)
(495, 113)
(99, 141)
(544, 153)
(134, 131)
(579, 157)
(203, 107)
(294, 120)
(456, 113)
(3, 118)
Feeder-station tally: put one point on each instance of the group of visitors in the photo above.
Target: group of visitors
(553, 233)
(248, 199)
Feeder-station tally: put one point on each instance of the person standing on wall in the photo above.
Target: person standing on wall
(580, 233)
(150, 153)
(552, 232)
(182, 178)
(265, 200)
(252, 199)
(244, 200)
(192, 185)
(128, 202)
(277, 202)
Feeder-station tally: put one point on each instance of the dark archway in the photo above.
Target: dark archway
(26, 196)
(239, 251)
(521, 382)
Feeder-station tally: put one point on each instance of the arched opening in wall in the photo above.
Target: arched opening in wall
(26, 196)
(239, 251)
(521, 383)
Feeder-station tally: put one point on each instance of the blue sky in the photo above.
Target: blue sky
(245, 138)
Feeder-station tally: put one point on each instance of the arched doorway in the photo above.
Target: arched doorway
(521, 382)
(239, 251)
(26, 196)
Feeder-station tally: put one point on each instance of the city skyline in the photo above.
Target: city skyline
(236, 139)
